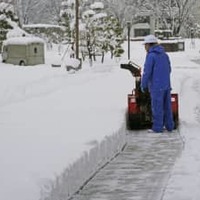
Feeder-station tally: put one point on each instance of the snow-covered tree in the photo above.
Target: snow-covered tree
(7, 15)
(7, 9)
(67, 15)
(114, 38)
(102, 32)
(168, 14)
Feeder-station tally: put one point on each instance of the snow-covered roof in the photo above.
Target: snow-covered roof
(22, 41)
(166, 30)
(141, 26)
(41, 26)
(97, 5)
(171, 40)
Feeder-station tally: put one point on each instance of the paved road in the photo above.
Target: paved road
(140, 172)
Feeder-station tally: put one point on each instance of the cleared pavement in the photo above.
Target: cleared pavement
(139, 172)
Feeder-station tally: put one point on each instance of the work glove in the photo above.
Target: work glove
(143, 90)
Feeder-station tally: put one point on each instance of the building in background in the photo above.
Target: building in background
(145, 24)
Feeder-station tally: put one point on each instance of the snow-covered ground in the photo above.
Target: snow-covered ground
(49, 118)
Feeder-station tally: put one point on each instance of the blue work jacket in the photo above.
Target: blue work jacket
(157, 69)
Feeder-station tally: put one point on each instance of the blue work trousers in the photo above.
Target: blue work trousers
(161, 110)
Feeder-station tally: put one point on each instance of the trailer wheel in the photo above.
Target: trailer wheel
(22, 63)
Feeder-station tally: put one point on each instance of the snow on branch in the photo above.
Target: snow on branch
(97, 5)
(6, 7)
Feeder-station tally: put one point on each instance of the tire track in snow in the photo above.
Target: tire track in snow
(43, 86)
(17, 93)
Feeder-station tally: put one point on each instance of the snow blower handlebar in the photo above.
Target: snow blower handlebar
(136, 72)
(133, 68)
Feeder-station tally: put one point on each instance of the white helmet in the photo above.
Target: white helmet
(150, 39)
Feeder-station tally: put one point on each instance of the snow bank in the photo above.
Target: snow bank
(80, 172)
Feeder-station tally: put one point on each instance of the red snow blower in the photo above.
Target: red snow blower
(138, 114)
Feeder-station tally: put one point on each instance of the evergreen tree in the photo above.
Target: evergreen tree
(6, 16)
(103, 33)
(67, 17)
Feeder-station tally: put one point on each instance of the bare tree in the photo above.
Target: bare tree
(185, 8)
(171, 14)
(36, 11)
(25, 9)
(53, 7)
(126, 10)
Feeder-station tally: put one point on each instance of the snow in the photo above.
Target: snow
(72, 62)
(97, 5)
(7, 7)
(22, 40)
(99, 16)
(2, 16)
(42, 26)
(68, 2)
(50, 119)
(16, 31)
(88, 13)
(141, 25)
(171, 40)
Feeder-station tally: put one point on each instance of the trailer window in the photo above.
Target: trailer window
(35, 50)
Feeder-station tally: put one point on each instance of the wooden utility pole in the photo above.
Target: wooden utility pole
(129, 29)
(77, 28)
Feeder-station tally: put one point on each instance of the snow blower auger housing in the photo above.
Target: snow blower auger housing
(138, 115)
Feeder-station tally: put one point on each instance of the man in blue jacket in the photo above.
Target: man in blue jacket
(156, 78)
